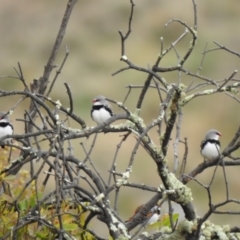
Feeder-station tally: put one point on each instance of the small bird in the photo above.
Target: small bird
(6, 128)
(101, 110)
(151, 218)
(210, 146)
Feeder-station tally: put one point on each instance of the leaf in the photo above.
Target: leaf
(70, 227)
(23, 205)
(10, 177)
(164, 221)
(7, 198)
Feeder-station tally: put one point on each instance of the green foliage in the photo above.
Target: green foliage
(19, 200)
(164, 221)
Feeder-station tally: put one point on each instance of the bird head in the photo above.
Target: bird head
(213, 134)
(100, 100)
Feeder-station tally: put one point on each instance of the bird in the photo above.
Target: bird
(101, 110)
(210, 146)
(6, 128)
(151, 218)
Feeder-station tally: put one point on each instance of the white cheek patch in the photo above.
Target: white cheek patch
(97, 103)
(215, 137)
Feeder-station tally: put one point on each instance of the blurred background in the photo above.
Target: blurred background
(28, 30)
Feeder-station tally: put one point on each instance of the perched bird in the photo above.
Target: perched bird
(101, 110)
(6, 128)
(210, 146)
(151, 218)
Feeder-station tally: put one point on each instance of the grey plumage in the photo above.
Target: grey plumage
(212, 134)
(101, 99)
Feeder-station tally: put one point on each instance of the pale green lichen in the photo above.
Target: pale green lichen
(129, 169)
(137, 111)
(180, 233)
(237, 235)
(129, 124)
(183, 95)
(126, 175)
(121, 182)
(114, 219)
(184, 194)
(226, 228)
(222, 235)
(161, 137)
(120, 226)
(186, 226)
(164, 160)
(194, 31)
(99, 197)
(145, 234)
(166, 229)
(119, 104)
(208, 91)
(187, 99)
(119, 126)
(169, 87)
(209, 229)
(161, 188)
(182, 86)
(124, 57)
(164, 80)
(74, 130)
(122, 237)
(232, 89)
(169, 192)
(58, 104)
(136, 119)
(113, 227)
(92, 208)
(160, 117)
